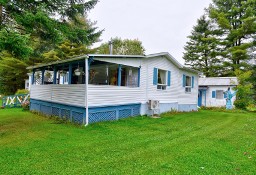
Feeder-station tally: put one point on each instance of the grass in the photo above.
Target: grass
(205, 142)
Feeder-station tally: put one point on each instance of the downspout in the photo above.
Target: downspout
(86, 92)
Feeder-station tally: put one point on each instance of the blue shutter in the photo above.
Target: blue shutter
(213, 94)
(139, 77)
(169, 78)
(225, 95)
(155, 76)
(193, 81)
(184, 80)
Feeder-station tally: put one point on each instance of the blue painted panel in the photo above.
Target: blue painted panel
(193, 81)
(169, 78)
(43, 75)
(124, 113)
(155, 76)
(213, 94)
(200, 93)
(70, 73)
(54, 75)
(184, 80)
(77, 114)
(119, 74)
(102, 116)
(187, 107)
(33, 77)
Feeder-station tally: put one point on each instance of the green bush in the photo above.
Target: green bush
(251, 108)
(22, 91)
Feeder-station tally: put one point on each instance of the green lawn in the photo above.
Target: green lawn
(204, 142)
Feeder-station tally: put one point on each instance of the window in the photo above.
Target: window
(219, 94)
(129, 76)
(188, 84)
(161, 79)
(107, 74)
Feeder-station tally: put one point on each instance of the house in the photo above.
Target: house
(116, 86)
(212, 90)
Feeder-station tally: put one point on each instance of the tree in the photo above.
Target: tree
(122, 47)
(28, 29)
(236, 19)
(12, 74)
(67, 50)
(244, 89)
(202, 48)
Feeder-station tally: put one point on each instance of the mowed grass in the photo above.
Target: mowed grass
(204, 142)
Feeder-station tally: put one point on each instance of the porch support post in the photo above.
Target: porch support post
(205, 98)
(139, 77)
(86, 92)
(43, 70)
(33, 77)
(119, 74)
(54, 75)
(69, 73)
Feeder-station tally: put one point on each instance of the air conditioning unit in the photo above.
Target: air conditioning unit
(153, 104)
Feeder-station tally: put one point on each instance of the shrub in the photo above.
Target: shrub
(21, 91)
(251, 108)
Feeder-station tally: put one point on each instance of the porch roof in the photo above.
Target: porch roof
(218, 81)
(165, 54)
(83, 57)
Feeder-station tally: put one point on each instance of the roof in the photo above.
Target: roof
(165, 54)
(173, 60)
(217, 81)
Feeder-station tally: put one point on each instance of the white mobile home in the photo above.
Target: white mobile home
(116, 86)
(212, 90)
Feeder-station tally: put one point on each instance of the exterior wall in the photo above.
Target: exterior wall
(64, 94)
(169, 95)
(107, 95)
(213, 101)
(184, 97)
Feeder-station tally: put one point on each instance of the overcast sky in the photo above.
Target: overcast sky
(161, 25)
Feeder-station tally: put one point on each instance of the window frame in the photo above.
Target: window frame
(188, 89)
(162, 86)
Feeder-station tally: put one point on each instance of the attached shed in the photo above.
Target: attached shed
(94, 88)
(212, 90)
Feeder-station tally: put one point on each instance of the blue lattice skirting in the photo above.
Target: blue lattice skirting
(77, 114)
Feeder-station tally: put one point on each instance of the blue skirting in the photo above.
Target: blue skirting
(78, 114)
(187, 107)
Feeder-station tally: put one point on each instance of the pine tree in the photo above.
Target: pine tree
(201, 49)
(236, 19)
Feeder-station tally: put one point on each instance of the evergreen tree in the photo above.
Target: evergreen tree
(236, 19)
(202, 48)
(30, 28)
(123, 47)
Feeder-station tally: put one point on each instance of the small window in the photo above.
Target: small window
(219, 94)
(188, 84)
(161, 79)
